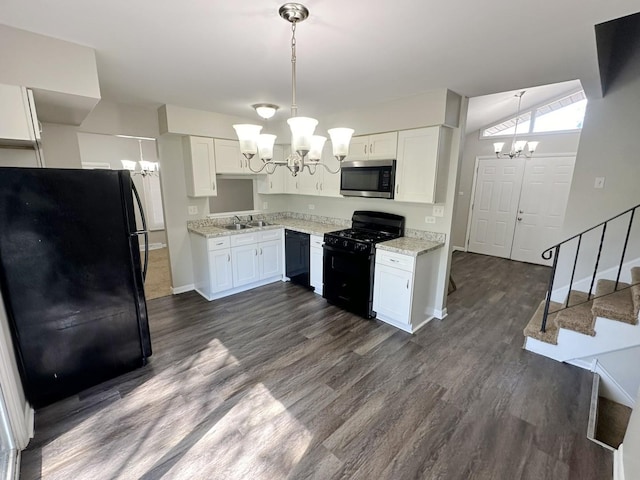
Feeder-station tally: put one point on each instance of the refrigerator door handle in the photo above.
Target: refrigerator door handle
(144, 232)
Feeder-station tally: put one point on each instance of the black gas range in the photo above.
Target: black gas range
(348, 259)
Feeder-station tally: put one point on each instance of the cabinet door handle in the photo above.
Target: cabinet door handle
(365, 148)
(256, 250)
(228, 257)
(260, 251)
(393, 260)
(219, 243)
(320, 186)
(397, 188)
(213, 186)
(370, 148)
(270, 184)
(407, 284)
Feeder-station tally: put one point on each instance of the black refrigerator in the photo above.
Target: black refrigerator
(71, 278)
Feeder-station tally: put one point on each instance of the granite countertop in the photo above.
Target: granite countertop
(304, 226)
(410, 246)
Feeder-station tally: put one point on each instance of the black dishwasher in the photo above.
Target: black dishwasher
(297, 258)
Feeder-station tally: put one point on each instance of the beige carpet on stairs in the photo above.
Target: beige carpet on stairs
(622, 305)
(158, 282)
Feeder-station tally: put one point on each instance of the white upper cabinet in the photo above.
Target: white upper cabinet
(381, 146)
(18, 120)
(228, 157)
(200, 166)
(422, 166)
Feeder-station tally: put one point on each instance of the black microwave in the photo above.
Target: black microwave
(368, 178)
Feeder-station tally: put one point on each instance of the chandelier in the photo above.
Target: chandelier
(146, 168)
(517, 146)
(306, 148)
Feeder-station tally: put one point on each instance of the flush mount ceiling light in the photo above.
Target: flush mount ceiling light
(517, 146)
(146, 167)
(303, 141)
(265, 110)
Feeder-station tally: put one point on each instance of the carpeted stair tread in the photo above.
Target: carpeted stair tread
(578, 317)
(533, 327)
(615, 306)
(635, 290)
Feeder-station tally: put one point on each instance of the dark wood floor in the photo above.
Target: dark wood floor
(274, 383)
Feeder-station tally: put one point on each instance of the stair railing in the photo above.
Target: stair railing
(554, 252)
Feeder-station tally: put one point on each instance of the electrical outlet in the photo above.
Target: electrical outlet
(429, 219)
(599, 183)
(438, 211)
(312, 206)
(193, 209)
(265, 205)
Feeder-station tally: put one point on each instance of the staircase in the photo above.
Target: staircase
(593, 322)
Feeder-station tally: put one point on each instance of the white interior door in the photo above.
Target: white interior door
(495, 205)
(545, 191)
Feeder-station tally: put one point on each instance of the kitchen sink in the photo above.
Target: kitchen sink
(258, 223)
(237, 226)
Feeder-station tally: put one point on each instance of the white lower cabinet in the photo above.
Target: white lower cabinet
(220, 269)
(404, 289)
(316, 256)
(226, 265)
(244, 260)
(270, 258)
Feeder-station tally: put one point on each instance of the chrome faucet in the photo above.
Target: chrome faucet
(238, 218)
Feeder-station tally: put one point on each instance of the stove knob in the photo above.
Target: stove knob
(345, 243)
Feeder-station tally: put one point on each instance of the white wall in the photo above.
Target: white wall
(47, 63)
(608, 148)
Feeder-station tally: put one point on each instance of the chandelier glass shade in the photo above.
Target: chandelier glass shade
(304, 144)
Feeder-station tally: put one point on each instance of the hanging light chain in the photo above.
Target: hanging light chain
(294, 107)
(515, 132)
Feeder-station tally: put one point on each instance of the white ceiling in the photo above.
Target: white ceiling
(223, 55)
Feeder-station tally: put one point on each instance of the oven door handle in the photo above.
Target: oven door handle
(341, 251)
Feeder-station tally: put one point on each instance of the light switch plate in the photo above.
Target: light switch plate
(429, 219)
(599, 183)
(438, 211)
(312, 206)
(193, 209)
(265, 205)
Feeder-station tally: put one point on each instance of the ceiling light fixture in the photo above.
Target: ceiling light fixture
(146, 167)
(517, 146)
(303, 141)
(265, 110)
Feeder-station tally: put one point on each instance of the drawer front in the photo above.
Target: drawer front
(316, 241)
(217, 243)
(268, 235)
(397, 260)
(244, 239)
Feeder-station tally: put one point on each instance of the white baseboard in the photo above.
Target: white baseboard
(458, 249)
(30, 420)
(153, 246)
(183, 289)
(618, 463)
(440, 314)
